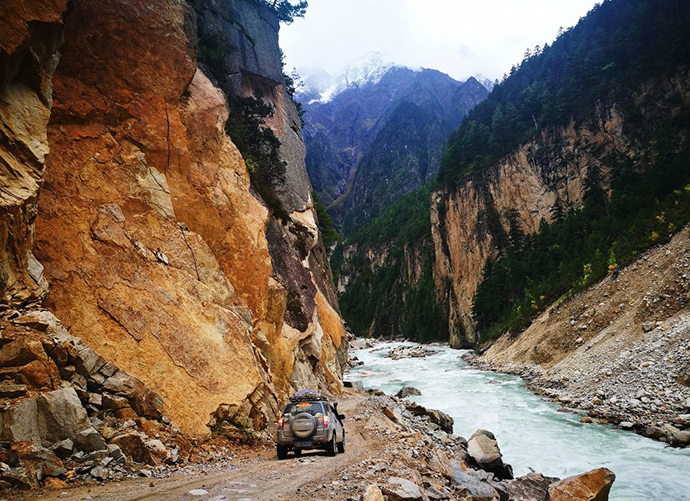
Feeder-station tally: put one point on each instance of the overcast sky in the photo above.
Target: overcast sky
(459, 37)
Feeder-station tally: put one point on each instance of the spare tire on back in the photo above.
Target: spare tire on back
(303, 425)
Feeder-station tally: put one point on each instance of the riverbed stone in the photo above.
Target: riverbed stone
(594, 485)
(530, 487)
(483, 448)
(681, 438)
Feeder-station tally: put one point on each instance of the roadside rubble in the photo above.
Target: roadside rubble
(68, 416)
(420, 461)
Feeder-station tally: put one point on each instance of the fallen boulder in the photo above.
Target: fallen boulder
(470, 481)
(134, 445)
(89, 440)
(356, 385)
(373, 493)
(483, 448)
(435, 416)
(393, 413)
(18, 478)
(531, 487)
(61, 415)
(594, 485)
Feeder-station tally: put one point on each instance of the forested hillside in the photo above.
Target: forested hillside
(618, 46)
(609, 100)
(385, 274)
(575, 163)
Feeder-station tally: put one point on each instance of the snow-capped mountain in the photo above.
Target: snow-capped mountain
(486, 82)
(316, 85)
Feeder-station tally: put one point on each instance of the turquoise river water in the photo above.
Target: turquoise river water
(532, 434)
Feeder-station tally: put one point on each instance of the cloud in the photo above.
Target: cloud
(459, 37)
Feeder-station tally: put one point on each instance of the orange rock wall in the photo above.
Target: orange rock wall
(153, 243)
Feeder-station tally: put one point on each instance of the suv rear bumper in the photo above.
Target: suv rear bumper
(317, 439)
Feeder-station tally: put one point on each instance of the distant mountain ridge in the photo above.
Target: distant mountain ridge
(376, 130)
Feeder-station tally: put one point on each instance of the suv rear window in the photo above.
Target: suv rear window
(312, 408)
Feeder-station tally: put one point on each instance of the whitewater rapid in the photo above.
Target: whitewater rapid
(532, 433)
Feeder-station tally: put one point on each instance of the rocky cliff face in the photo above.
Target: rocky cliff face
(158, 253)
(530, 180)
(28, 57)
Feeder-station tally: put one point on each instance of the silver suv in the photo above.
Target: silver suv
(310, 424)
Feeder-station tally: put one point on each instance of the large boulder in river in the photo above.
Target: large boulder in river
(483, 448)
(594, 485)
(408, 391)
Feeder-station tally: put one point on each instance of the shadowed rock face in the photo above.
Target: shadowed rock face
(29, 38)
(158, 254)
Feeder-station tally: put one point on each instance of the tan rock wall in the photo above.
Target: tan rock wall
(29, 38)
(529, 181)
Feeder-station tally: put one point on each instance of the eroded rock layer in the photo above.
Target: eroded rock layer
(158, 253)
(29, 38)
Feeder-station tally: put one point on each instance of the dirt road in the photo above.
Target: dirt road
(259, 479)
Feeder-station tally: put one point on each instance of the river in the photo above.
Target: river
(531, 433)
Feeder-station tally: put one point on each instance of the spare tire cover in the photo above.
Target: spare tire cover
(303, 425)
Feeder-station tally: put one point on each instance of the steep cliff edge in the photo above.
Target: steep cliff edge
(159, 254)
(522, 189)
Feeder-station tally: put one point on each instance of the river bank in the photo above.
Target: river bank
(639, 389)
(620, 351)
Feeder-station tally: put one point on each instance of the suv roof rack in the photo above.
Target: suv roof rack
(308, 395)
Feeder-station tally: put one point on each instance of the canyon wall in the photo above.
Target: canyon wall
(530, 180)
(30, 35)
(158, 253)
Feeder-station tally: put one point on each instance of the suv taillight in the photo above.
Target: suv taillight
(326, 421)
(280, 423)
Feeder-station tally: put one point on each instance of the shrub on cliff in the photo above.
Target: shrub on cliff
(260, 148)
(285, 9)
